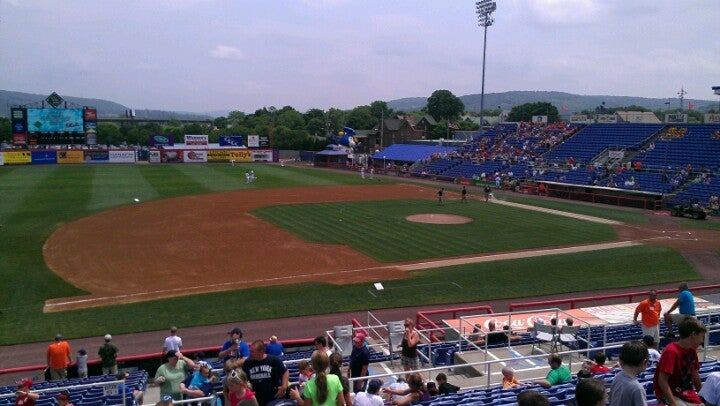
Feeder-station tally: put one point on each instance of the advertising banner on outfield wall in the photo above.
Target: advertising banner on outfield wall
(161, 140)
(17, 157)
(262, 156)
(231, 141)
(195, 156)
(122, 156)
(712, 118)
(258, 141)
(40, 157)
(227, 155)
(154, 156)
(2, 159)
(19, 139)
(171, 156)
(70, 156)
(194, 141)
(97, 156)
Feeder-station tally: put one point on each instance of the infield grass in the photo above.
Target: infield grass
(37, 200)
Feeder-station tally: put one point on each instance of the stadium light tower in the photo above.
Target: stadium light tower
(483, 9)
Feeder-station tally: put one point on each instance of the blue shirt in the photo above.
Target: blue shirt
(275, 349)
(687, 303)
(243, 350)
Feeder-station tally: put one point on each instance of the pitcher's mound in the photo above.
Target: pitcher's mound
(438, 219)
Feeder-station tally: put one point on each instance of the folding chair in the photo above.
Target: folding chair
(545, 333)
(568, 336)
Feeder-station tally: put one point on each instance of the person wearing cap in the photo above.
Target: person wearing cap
(138, 394)
(274, 347)
(108, 356)
(58, 358)
(235, 348)
(23, 396)
(649, 311)
(172, 342)
(172, 373)
(359, 362)
(370, 397)
(63, 398)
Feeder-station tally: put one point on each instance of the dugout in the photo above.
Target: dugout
(330, 157)
(604, 195)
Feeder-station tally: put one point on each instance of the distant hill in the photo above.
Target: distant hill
(105, 108)
(573, 102)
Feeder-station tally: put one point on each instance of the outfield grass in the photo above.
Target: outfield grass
(37, 200)
(380, 230)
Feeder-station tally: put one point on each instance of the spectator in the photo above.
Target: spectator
(585, 370)
(63, 399)
(559, 373)
(649, 312)
(239, 392)
(304, 374)
(228, 367)
(166, 400)
(267, 374)
(590, 392)
(359, 363)
(396, 387)
(509, 380)
(532, 398)
(409, 355)
(676, 375)
(23, 395)
(686, 304)
(172, 342)
(275, 347)
(599, 365)
(371, 397)
(336, 361)
(235, 348)
(444, 387)
(58, 358)
(81, 361)
(137, 393)
(172, 373)
(200, 384)
(108, 356)
(323, 389)
(413, 394)
(710, 392)
(653, 353)
(321, 345)
(625, 389)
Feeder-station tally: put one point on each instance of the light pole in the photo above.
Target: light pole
(483, 9)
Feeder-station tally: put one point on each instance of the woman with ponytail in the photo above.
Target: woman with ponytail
(336, 361)
(323, 389)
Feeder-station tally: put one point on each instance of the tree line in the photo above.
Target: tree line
(293, 130)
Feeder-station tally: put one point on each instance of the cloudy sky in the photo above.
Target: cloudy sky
(207, 55)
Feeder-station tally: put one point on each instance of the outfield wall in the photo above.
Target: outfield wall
(129, 156)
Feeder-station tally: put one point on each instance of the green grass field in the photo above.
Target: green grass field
(37, 200)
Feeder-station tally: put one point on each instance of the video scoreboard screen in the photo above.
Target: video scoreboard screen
(54, 126)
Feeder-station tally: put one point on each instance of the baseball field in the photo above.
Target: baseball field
(127, 248)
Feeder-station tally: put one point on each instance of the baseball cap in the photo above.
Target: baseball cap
(58, 337)
(64, 395)
(359, 338)
(108, 337)
(82, 351)
(171, 353)
(236, 330)
(25, 382)
(648, 340)
(374, 385)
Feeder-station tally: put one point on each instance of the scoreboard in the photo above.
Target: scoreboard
(53, 126)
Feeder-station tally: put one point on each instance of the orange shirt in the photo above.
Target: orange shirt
(649, 312)
(58, 354)
(508, 383)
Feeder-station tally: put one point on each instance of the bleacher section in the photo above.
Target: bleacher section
(699, 192)
(83, 392)
(680, 145)
(593, 139)
(410, 153)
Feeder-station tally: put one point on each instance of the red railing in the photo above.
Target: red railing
(573, 302)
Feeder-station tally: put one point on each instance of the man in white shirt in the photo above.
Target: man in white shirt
(172, 342)
(371, 397)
